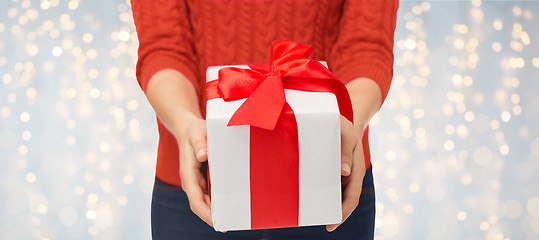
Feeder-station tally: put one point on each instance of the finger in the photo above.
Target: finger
(202, 210)
(199, 144)
(352, 190)
(348, 143)
(350, 201)
(346, 159)
(192, 184)
(198, 201)
(203, 185)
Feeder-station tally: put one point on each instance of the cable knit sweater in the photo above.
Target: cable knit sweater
(355, 37)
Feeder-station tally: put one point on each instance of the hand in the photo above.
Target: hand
(352, 168)
(193, 152)
(175, 100)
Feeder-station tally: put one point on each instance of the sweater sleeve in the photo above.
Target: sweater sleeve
(165, 39)
(364, 46)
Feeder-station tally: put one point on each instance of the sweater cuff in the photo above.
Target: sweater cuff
(159, 61)
(377, 72)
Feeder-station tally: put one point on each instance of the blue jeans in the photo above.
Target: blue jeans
(173, 219)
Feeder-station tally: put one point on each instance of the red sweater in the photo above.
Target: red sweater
(355, 37)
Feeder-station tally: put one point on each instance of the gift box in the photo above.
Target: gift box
(273, 138)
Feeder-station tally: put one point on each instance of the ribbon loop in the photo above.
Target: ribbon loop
(284, 51)
(236, 83)
(263, 108)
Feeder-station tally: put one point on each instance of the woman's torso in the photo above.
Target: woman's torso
(240, 32)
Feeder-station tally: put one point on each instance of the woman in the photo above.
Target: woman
(180, 38)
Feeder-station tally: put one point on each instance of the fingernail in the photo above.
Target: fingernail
(200, 153)
(346, 168)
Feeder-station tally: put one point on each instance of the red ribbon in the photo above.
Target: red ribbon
(289, 68)
(274, 154)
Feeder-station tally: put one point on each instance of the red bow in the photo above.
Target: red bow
(289, 68)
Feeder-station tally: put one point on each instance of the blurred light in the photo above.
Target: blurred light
(25, 117)
(513, 209)
(517, 11)
(469, 116)
(70, 93)
(31, 49)
(417, 9)
(91, 54)
(79, 190)
(517, 110)
(449, 129)
(123, 35)
(484, 226)
(414, 188)
(122, 200)
(515, 98)
(56, 51)
(468, 81)
(504, 149)
(425, 6)
(30, 177)
(408, 209)
(26, 135)
(532, 206)
(73, 5)
(462, 215)
(515, 82)
(90, 214)
(390, 155)
(449, 145)
(88, 177)
(71, 124)
(93, 230)
(132, 105)
(535, 62)
(5, 112)
(458, 43)
(54, 33)
(94, 93)
(410, 44)
(38, 203)
(45, 4)
(70, 140)
(460, 28)
(419, 113)
(87, 38)
(477, 13)
(104, 147)
(93, 198)
(506, 116)
(525, 38)
(497, 24)
(457, 79)
(11, 98)
(462, 131)
(517, 47)
(68, 216)
(466, 179)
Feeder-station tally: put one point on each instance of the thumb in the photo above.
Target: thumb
(199, 145)
(348, 144)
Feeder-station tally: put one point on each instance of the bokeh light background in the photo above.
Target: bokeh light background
(455, 147)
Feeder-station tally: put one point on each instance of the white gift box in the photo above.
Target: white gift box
(318, 123)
